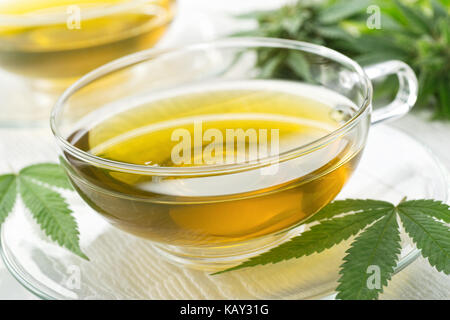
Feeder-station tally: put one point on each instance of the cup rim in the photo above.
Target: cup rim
(145, 55)
(36, 17)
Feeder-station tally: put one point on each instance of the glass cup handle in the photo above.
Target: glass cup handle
(407, 91)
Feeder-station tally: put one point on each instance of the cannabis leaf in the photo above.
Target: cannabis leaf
(47, 206)
(326, 234)
(377, 246)
(430, 236)
(50, 173)
(342, 10)
(52, 213)
(377, 241)
(431, 208)
(7, 195)
(352, 205)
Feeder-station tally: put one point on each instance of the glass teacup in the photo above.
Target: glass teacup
(49, 44)
(215, 214)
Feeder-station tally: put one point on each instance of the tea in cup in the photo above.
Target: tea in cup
(212, 162)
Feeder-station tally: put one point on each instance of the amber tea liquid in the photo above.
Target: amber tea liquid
(49, 49)
(213, 209)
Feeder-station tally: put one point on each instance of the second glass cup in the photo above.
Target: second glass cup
(50, 44)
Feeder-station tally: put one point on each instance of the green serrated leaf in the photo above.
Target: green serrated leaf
(52, 213)
(377, 44)
(298, 63)
(342, 10)
(375, 251)
(292, 24)
(333, 33)
(248, 33)
(444, 96)
(431, 236)
(416, 19)
(7, 195)
(444, 30)
(389, 23)
(319, 237)
(269, 68)
(376, 57)
(439, 10)
(432, 208)
(49, 173)
(351, 205)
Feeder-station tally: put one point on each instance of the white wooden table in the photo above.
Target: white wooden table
(417, 281)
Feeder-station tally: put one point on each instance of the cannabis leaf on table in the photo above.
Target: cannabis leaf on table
(373, 223)
(35, 184)
(377, 241)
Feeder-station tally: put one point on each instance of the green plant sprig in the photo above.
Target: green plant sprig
(35, 184)
(374, 224)
(417, 33)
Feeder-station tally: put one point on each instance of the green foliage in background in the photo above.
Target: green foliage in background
(416, 32)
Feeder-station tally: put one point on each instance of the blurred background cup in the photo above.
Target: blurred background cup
(45, 45)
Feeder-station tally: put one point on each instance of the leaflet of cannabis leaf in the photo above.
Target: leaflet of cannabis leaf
(35, 185)
(377, 242)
